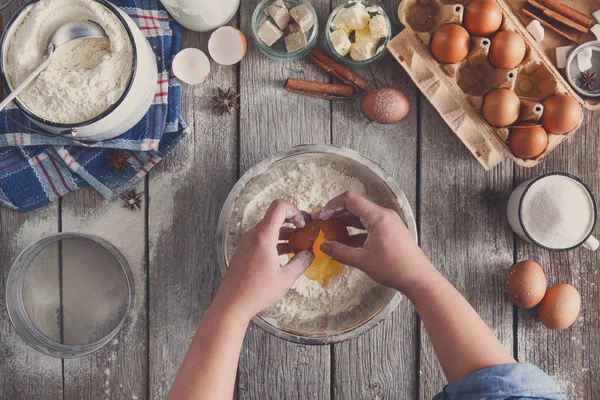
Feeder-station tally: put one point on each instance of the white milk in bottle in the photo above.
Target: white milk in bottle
(202, 15)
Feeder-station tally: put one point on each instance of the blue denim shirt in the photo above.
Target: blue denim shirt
(507, 381)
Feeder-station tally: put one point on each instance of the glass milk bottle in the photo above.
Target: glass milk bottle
(202, 15)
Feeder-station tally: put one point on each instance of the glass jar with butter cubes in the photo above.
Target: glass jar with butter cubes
(285, 30)
(357, 33)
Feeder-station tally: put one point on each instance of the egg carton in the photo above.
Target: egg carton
(457, 90)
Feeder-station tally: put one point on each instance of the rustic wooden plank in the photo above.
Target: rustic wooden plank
(572, 356)
(463, 231)
(25, 372)
(383, 362)
(186, 192)
(273, 120)
(120, 369)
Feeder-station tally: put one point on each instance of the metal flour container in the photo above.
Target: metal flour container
(127, 111)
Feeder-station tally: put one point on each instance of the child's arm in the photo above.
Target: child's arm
(462, 341)
(254, 281)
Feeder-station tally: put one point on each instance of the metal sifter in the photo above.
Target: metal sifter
(69, 294)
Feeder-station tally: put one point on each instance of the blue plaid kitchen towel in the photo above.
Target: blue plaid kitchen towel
(36, 169)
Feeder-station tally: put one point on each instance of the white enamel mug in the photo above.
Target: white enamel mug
(515, 209)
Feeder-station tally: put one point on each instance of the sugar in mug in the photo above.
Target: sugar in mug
(515, 217)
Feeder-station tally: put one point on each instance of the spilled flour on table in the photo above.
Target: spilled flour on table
(163, 188)
(310, 187)
(123, 228)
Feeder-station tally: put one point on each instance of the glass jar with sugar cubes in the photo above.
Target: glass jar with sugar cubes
(285, 30)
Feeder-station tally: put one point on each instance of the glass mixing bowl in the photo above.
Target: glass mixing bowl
(375, 305)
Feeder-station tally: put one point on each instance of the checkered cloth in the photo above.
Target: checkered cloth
(36, 169)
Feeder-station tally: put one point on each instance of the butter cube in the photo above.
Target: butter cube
(365, 35)
(295, 41)
(340, 42)
(356, 17)
(280, 14)
(379, 26)
(337, 23)
(596, 30)
(536, 29)
(562, 54)
(269, 33)
(362, 51)
(303, 17)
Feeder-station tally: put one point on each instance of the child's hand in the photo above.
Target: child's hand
(387, 253)
(254, 280)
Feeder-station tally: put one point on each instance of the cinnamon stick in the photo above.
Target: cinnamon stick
(335, 69)
(555, 26)
(568, 12)
(322, 90)
(558, 17)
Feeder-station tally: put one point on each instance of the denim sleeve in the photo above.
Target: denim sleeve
(507, 381)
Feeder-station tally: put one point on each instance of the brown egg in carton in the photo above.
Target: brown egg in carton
(458, 90)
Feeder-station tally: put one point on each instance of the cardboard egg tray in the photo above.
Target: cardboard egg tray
(457, 90)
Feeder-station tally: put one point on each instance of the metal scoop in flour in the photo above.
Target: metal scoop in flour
(66, 33)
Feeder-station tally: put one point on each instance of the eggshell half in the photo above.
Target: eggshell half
(191, 66)
(227, 45)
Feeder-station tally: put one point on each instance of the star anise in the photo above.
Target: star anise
(119, 160)
(226, 101)
(133, 200)
(588, 80)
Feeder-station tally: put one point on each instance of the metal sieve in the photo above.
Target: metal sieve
(376, 305)
(574, 74)
(69, 294)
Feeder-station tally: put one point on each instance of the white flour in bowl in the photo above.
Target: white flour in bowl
(85, 77)
(310, 187)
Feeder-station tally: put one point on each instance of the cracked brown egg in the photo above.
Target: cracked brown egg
(450, 44)
(527, 140)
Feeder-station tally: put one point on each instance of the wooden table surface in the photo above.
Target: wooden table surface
(170, 245)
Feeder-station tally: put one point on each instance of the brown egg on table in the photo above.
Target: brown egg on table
(560, 307)
(507, 50)
(526, 284)
(483, 17)
(450, 44)
(527, 140)
(501, 107)
(562, 114)
(385, 105)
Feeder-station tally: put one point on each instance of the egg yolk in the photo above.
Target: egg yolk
(323, 268)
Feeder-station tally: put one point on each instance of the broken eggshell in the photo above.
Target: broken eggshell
(227, 45)
(191, 66)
